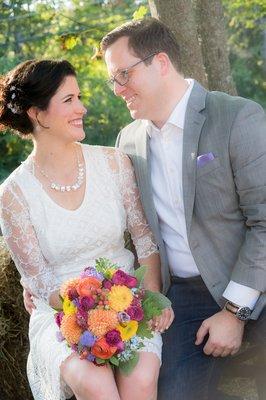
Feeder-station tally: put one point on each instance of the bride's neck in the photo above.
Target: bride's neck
(55, 155)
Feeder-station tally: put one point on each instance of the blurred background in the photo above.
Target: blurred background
(72, 29)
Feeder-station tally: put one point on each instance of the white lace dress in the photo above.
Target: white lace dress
(50, 244)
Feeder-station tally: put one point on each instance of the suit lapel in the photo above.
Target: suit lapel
(143, 175)
(194, 121)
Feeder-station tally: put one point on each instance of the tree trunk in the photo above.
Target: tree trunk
(178, 15)
(211, 30)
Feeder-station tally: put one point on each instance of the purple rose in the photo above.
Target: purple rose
(107, 284)
(72, 294)
(58, 318)
(91, 271)
(86, 303)
(120, 346)
(87, 339)
(82, 318)
(136, 313)
(113, 337)
(123, 317)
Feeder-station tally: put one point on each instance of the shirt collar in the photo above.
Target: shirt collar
(177, 117)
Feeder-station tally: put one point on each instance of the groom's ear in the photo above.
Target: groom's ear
(163, 63)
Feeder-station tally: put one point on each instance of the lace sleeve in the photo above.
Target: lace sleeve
(136, 222)
(22, 242)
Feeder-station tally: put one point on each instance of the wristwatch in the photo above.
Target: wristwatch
(242, 313)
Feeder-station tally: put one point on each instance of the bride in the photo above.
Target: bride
(65, 206)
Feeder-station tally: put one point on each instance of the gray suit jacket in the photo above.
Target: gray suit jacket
(224, 200)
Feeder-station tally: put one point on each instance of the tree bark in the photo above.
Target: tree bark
(211, 30)
(179, 17)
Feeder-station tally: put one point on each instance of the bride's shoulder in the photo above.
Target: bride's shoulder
(112, 153)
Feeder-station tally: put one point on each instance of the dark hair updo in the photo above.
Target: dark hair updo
(31, 83)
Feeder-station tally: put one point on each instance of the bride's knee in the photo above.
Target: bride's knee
(85, 380)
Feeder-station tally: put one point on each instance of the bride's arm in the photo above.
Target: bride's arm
(141, 234)
(23, 245)
(142, 238)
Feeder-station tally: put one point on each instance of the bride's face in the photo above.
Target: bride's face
(64, 115)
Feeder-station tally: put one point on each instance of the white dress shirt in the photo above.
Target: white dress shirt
(166, 148)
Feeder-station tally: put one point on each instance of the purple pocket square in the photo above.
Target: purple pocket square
(204, 159)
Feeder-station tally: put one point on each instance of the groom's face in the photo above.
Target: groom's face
(141, 90)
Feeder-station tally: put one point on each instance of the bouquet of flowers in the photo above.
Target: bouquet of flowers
(106, 313)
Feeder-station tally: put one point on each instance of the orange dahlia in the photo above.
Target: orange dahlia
(85, 286)
(70, 284)
(101, 321)
(70, 329)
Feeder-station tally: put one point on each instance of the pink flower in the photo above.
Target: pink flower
(107, 284)
(86, 303)
(82, 318)
(58, 318)
(131, 282)
(121, 278)
(136, 313)
(113, 337)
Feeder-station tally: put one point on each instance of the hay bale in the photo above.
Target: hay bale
(13, 332)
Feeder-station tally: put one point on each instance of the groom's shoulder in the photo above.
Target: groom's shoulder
(230, 105)
(132, 128)
(127, 136)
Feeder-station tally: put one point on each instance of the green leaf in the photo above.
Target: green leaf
(153, 304)
(113, 360)
(100, 361)
(144, 331)
(127, 367)
(103, 264)
(140, 12)
(139, 273)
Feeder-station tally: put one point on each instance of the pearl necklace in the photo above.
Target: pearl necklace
(65, 188)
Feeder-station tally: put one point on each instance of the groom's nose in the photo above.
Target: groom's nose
(119, 89)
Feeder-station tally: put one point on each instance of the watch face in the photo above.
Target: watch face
(243, 313)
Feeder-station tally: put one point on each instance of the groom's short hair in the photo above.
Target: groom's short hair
(145, 37)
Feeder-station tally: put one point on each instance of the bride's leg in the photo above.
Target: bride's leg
(87, 381)
(141, 384)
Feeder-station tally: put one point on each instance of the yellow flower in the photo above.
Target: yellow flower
(128, 329)
(120, 298)
(68, 307)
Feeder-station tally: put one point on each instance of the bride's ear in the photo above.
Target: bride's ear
(33, 114)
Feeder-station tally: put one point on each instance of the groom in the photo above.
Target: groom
(200, 162)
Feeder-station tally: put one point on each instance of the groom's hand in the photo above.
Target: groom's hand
(225, 334)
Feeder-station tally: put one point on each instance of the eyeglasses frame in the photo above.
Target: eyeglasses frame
(110, 82)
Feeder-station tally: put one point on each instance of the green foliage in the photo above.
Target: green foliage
(127, 366)
(246, 27)
(144, 330)
(70, 30)
(154, 303)
(140, 273)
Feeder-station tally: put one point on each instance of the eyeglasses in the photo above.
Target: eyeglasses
(122, 77)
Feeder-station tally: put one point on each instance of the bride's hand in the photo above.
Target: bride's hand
(28, 301)
(163, 322)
